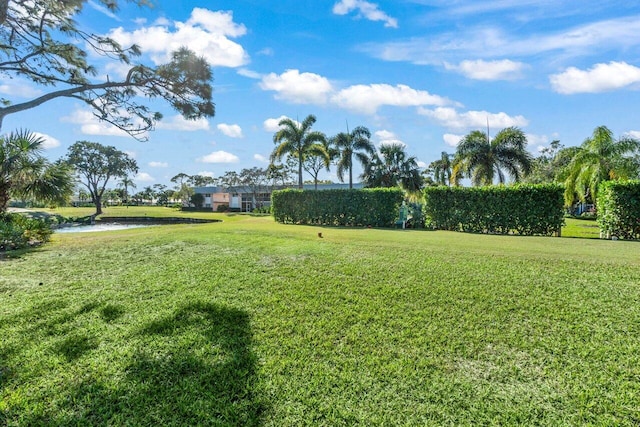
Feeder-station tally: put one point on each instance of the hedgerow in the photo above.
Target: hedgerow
(519, 209)
(619, 209)
(376, 207)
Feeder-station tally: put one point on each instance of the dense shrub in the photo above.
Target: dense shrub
(18, 231)
(376, 207)
(521, 209)
(619, 209)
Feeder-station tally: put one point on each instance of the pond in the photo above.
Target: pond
(98, 227)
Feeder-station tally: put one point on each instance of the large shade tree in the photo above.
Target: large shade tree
(297, 140)
(96, 165)
(600, 158)
(392, 167)
(25, 173)
(41, 42)
(483, 160)
(355, 143)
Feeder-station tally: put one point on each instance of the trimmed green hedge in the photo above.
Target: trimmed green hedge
(619, 209)
(377, 207)
(519, 209)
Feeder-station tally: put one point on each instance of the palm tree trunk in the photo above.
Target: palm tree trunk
(351, 176)
(300, 171)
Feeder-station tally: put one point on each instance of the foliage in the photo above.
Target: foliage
(18, 231)
(392, 168)
(318, 158)
(355, 143)
(369, 207)
(96, 164)
(600, 158)
(24, 172)
(619, 209)
(298, 141)
(255, 179)
(524, 209)
(442, 169)
(197, 200)
(482, 159)
(254, 323)
(40, 41)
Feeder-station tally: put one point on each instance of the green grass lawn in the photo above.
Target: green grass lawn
(248, 322)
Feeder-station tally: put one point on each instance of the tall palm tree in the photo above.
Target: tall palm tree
(442, 169)
(24, 172)
(357, 142)
(482, 159)
(126, 183)
(297, 140)
(600, 158)
(392, 168)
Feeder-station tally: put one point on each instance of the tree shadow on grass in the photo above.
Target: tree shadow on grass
(193, 367)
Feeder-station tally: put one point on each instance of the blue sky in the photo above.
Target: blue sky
(420, 72)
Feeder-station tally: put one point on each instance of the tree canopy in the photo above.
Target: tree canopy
(600, 158)
(297, 140)
(482, 159)
(96, 164)
(41, 42)
(358, 143)
(393, 168)
(24, 172)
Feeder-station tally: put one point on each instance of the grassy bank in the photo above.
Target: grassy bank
(255, 323)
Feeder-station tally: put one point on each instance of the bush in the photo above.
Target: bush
(522, 209)
(222, 208)
(376, 207)
(619, 209)
(18, 231)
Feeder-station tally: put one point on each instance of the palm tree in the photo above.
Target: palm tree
(350, 144)
(482, 159)
(392, 168)
(296, 139)
(24, 172)
(600, 158)
(126, 183)
(441, 168)
(317, 158)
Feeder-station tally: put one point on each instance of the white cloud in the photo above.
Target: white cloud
(452, 119)
(271, 125)
(480, 69)
(90, 125)
(178, 122)
(219, 157)
(260, 158)
(48, 141)
(158, 164)
(367, 99)
(245, 72)
(599, 78)
(493, 42)
(451, 139)
(232, 131)
(103, 10)
(386, 137)
(366, 9)
(206, 32)
(634, 134)
(299, 88)
(20, 89)
(422, 165)
(144, 177)
(207, 173)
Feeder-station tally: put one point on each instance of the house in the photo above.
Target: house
(246, 199)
